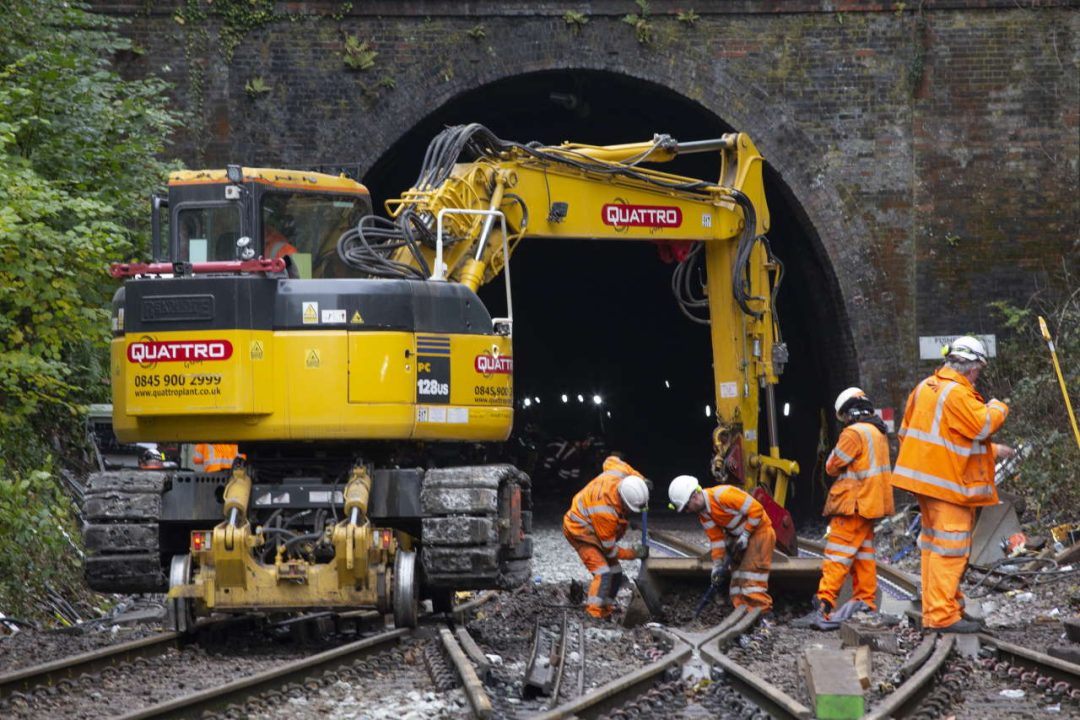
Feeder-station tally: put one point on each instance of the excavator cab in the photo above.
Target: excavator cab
(244, 213)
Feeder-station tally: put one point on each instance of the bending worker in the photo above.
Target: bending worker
(861, 494)
(597, 520)
(947, 460)
(737, 526)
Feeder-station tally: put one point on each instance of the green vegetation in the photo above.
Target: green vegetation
(575, 20)
(1023, 375)
(357, 54)
(689, 17)
(78, 158)
(255, 87)
(643, 28)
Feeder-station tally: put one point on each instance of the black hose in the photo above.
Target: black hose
(302, 538)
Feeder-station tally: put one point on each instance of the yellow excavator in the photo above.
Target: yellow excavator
(350, 359)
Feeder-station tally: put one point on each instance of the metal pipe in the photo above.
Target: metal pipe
(701, 146)
(770, 414)
(234, 515)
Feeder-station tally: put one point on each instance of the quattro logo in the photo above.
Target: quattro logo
(652, 216)
(145, 351)
(492, 364)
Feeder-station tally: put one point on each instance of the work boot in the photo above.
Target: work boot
(960, 626)
(819, 614)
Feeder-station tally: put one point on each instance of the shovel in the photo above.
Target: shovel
(645, 602)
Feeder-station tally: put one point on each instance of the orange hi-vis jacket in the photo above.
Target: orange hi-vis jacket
(596, 515)
(729, 512)
(861, 459)
(214, 457)
(945, 450)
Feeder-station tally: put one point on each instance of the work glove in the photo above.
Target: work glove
(641, 551)
(719, 574)
(741, 542)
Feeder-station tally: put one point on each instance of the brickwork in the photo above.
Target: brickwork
(932, 154)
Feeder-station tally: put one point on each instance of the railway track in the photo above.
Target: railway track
(693, 669)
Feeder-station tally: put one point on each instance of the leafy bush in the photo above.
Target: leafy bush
(1023, 374)
(79, 150)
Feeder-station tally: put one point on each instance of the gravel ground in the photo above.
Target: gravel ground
(405, 688)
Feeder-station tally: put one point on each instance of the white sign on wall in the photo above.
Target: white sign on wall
(930, 345)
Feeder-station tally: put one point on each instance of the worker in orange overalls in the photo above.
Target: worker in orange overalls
(947, 460)
(736, 525)
(214, 457)
(861, 494)
(597, 520)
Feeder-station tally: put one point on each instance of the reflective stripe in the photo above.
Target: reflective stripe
(708, 525)
(943, 483)
(864, 556)
(603, 571)
(608, 543)
(863, 474)
(975, 449)
(614, 473)
(935, 426)
(746, 505)
(843, 560)
(752, 523)
(986, 426)
(716, 545)
(841, 548)
(944, 552)
(600, 510)
(734, 521)
(759, 577)
(842, 455)
(946, 534)
(594, 600)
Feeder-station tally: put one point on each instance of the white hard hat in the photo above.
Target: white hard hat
(680, 490)
(967, 348)
(849, 394)
(634, 493)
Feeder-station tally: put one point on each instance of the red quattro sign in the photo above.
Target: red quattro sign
(641, 215)
(143, 352)
(491, 364)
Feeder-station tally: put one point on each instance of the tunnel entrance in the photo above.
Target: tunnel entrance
(596, 322)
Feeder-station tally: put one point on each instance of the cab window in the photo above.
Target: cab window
(207, 234)
(307, 226)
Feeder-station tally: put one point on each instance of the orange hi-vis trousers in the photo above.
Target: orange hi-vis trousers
(607, 577)
(945, 542)
(850, 548)
(750, 581)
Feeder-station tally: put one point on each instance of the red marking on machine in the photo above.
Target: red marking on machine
(494, 364)
(143, 352)
(642, 216)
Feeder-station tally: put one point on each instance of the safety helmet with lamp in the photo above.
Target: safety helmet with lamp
(967, 348)
(852, 393)
(681, 490)
(634, 493)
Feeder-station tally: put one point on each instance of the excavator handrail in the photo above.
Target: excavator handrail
(437, 272)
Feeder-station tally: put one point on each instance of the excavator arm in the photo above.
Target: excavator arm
(450, 226)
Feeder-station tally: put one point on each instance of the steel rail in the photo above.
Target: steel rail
(1034, 660)
(218, 698)
(474, 687)
(50, 673)
(562, 659)
(678, 546)
(617, 692)
(904, 700)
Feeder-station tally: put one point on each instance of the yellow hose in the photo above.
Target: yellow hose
(1061, 379)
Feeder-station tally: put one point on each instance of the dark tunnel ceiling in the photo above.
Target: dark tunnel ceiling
(599, 318)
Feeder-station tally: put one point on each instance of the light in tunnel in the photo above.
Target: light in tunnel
(527, 402)
(597, 400)
(787, 409)
(536, 400)
(708, 411)
(580, 399)
(667, 384)
(564, 398)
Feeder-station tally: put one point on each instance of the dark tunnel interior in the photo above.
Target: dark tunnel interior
(599, 319)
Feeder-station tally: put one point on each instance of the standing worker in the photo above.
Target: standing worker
(214, 457)
(861, 494)
(595, 522)
(947, 460)
(735, 523)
